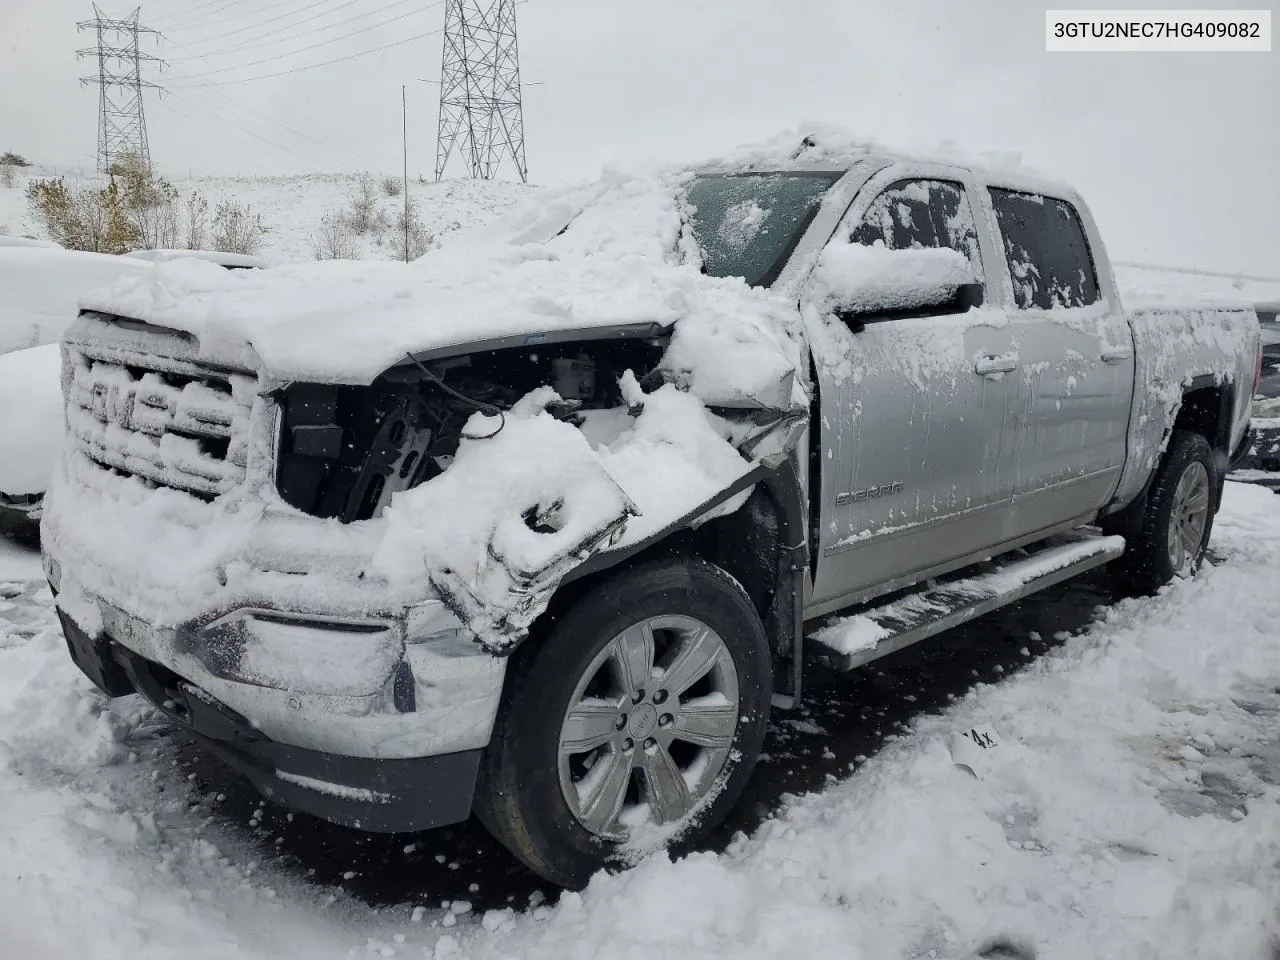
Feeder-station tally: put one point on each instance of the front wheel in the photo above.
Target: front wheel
(1178, 518)
(632, 723)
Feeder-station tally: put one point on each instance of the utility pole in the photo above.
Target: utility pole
(122, 125)
(404, 121)
(481, 115)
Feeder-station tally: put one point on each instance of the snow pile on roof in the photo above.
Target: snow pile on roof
(617, 263)
(1131, 810)
(812, 143)
(832, 146)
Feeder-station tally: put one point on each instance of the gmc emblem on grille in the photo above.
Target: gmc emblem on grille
(870, 493)
(113, 405)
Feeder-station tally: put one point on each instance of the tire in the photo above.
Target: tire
(530, 769)
(1150, 559)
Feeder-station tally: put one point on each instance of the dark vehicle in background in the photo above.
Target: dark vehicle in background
(1262, 464)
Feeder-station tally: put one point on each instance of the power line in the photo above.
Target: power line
(282, 16)
(237, 131)
(321, 43)
(258, 41)
(315, 66)
(306, 141)
(331, 134)
(213, 3)
(122, 123)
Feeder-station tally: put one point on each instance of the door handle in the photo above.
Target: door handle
(1116, 354)
(990, 365)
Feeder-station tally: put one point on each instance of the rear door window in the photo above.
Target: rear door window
(1046, 249)
(915, 214)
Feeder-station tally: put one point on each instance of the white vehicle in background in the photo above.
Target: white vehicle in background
(40, 289)
(232, 261)
(41, 285)
(8, 241)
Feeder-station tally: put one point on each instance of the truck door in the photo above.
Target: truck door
(1071, 394)
(913, 411)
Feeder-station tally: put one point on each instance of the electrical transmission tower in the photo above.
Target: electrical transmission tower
(122, 126)
(480, 111)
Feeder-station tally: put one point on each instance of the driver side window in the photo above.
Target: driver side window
(922, 214)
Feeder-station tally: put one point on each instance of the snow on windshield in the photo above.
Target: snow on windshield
(747, 224)
(741, 224)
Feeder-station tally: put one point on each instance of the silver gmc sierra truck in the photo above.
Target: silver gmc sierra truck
(543, 529)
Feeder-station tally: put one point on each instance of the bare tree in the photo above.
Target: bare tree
(409, 238)
(197, 222)
(155, 227)
(335, 240)
(236, 228)
(363, 204)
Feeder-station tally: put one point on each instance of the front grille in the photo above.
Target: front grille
(169, 422)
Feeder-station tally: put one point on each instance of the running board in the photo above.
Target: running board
(852, 641)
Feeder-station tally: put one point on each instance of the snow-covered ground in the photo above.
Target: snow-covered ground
(292, 207)
(1132, 809)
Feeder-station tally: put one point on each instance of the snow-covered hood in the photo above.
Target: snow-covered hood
(623, 259)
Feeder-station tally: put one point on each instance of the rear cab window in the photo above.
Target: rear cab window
(1046, 249)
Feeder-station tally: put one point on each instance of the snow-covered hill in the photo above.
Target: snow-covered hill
(293, 207)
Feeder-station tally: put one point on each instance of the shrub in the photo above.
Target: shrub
(13, 160)
(236, 228)
(412, 243)
(197, 222)
(83, 218)
(335, 240)
(392, 186)
(8, 175)
(363, 204)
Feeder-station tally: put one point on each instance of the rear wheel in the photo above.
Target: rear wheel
(1178, 519)
(633, 723)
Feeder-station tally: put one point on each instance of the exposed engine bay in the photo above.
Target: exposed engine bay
(345, 450)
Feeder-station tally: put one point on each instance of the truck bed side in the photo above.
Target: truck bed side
(1193, 361)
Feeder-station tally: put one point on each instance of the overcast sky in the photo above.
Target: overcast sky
(1178, 154)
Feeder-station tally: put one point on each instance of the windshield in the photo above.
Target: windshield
(746, 225)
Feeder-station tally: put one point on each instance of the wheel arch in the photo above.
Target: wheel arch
(1205, 407)
(762, 545)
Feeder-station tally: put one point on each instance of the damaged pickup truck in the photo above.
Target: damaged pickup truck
(538, 526)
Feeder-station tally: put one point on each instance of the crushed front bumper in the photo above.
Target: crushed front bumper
(381, 795)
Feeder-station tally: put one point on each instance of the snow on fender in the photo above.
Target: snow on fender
(528, 498)
(524, 498)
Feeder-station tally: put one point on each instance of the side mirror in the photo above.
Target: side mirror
(861, 284)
